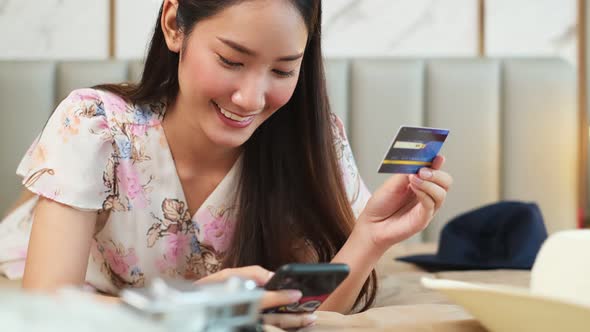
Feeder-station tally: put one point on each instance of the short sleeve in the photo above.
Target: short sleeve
(67, 161)
(356, 190)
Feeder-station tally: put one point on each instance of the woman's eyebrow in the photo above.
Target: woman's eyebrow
(243, 49)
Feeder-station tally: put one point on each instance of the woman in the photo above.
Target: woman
(224, 160)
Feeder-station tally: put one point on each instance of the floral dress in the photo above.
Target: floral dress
(99, 153)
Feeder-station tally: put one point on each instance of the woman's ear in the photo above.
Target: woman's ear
(170, 28)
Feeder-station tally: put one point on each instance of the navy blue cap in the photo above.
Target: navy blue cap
(503, 235)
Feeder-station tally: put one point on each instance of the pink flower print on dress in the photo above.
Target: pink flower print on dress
(165, 267)
(38, 154)
(103, 124)
(138, 130)
(102, 128)
(178, 245)
(129, 183)
(119, 262)
(85, 94)
(176, 219)
(217, 228)
(114, 104)
(69, 123)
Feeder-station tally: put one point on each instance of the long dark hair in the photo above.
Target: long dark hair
(291, 194)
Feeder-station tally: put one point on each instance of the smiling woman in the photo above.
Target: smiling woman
(224, 160)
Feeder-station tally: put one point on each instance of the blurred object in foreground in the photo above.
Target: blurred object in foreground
(181, 306)
(162, 307)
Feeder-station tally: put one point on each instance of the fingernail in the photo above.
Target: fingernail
(309, 319)
(425, 173)
(270, 274)
(416, 179)
(294, 295)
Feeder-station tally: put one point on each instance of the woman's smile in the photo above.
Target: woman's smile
(231, 119)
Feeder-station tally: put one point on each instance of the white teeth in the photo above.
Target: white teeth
(231, 115)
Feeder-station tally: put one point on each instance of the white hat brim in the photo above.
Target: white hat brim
(508, 309)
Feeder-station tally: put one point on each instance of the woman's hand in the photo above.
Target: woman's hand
(404, 205)
(270, 299)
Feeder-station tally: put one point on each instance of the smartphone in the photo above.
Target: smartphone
(316, 282)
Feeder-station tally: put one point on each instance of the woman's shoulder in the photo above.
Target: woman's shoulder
(114, 108)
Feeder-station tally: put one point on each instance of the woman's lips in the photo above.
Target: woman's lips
(232, 119)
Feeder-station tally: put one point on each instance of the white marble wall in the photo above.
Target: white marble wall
(78, 29)
(58, 29)
(135, 20)
(354, 27)
(400, 27)
(532, 27)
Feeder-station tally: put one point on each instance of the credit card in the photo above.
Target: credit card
(413, 148)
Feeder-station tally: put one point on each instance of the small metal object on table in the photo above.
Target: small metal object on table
(181, 306)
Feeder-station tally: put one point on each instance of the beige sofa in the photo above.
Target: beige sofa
(513, 122)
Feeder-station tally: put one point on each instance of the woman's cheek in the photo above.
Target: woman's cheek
(213, 82)
(280, 95)
(203, 75)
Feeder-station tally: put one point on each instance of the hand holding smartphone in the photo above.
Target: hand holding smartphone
(315, 281)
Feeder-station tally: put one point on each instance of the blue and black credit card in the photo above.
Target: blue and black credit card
(412, 149)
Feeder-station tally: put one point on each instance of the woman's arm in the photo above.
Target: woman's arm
(401, 207)
(59, 246)
(361, 256)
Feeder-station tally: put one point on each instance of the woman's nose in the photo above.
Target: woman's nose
(250, 97)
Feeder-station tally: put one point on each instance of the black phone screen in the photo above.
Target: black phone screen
(315, 281)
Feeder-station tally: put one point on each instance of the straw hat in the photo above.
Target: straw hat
(558, 298)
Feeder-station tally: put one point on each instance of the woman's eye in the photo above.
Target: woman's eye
(232, 64)
(284, 73)
(228, 62)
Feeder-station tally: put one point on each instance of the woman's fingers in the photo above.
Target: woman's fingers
(272, 299)
(393, 195)
(254, 272)
(389, 198)
(431, 184)
(289, 321)
(261, 276)
(441, 178)
(430, 194)
(438, 162)
(423, 198)
(257, 273)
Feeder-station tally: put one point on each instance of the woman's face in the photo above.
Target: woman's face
(239, 67)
